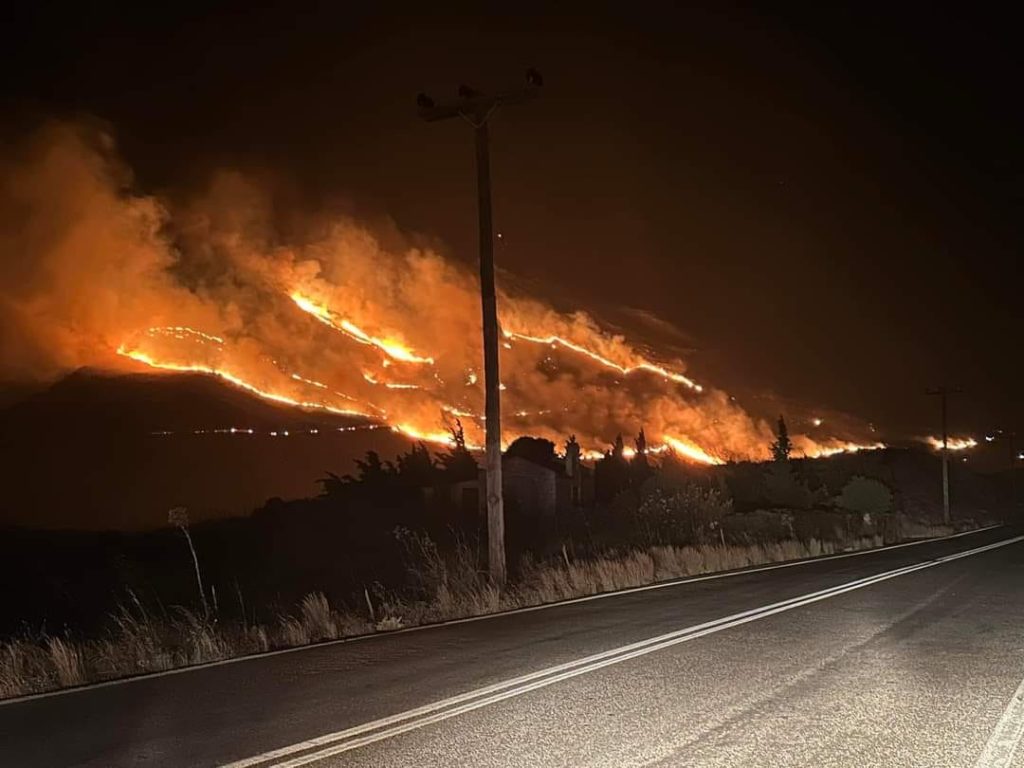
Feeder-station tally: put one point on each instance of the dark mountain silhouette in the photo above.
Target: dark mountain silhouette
(96, 450)
(142, 403)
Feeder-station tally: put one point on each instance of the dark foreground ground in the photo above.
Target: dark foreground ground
(918, 669)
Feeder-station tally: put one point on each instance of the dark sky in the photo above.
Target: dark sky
(826, 203)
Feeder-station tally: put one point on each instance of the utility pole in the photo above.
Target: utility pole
(476, 109)
(944, 392)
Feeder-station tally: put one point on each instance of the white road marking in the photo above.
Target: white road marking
(331, 744)
(1007, 736)
(486, 616)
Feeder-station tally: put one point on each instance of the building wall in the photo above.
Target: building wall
(530, 487)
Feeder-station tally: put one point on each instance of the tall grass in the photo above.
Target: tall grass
(442, 587)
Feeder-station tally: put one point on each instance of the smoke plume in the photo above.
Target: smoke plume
(96, 274)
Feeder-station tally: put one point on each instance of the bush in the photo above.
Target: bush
(688, 513)
(866, 496)
(757, 527)
(821, 525)
(784, 489)
(746, 485)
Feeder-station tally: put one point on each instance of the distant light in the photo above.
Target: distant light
(817, 422)
(1021, 455)
(990, 438)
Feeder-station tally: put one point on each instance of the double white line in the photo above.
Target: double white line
(330, 744)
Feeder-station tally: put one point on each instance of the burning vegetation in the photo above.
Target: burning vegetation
(326, 317)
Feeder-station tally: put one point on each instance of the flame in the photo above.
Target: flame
(142, 357)
(952, 443)
(311, 382)
(843, 447)
(624, 369)
(390, 347)
(402, 336)
(690, 451)
(436, 437)
(183, 332)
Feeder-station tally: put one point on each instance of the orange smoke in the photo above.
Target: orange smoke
(328, 319)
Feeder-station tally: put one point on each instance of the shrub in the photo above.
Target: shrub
(866, 496)
(757, 527)
(821, 525)
(784, 489)
(688, 513)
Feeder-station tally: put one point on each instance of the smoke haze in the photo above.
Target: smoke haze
(332, 316)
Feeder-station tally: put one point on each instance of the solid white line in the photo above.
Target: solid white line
(1007, 736)
(488, 616)
(384, 728)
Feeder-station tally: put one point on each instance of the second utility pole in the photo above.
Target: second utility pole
(944, 393)
(476, 109)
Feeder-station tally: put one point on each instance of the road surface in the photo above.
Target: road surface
(910, 656)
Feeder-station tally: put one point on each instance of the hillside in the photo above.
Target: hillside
(98, 451)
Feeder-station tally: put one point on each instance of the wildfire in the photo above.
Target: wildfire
(406, 319)
(183, 332)
(952, 443)
(436, 437)
(684, 447)
(690, 451)
(843, 447)
(624, 369)
(390, 347)
(311, 382)
(164, 365)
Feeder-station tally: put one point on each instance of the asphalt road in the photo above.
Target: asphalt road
(856, 661)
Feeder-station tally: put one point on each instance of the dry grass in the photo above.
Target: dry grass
(66, 662)
(912, 529)
(446, 588)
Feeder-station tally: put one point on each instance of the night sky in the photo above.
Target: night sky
(826, 205)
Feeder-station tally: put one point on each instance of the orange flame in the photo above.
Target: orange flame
(952, 443)
(87, 294)
(231, 378)
(390, 347)
(690, 451)
(624, 369)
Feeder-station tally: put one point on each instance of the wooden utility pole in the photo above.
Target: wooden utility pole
(944, 392)
(476, 109)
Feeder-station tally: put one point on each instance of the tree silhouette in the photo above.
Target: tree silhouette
(535, 449)
(782, 446)
(373, 471)
(416, 466)
(611, 472)
(640, 467)
(457, 463)
(641, 444)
